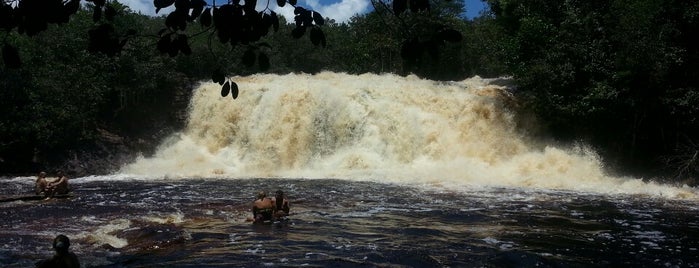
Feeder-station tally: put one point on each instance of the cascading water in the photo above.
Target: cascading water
(374, 127)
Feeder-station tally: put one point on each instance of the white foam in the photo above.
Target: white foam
(385, 128)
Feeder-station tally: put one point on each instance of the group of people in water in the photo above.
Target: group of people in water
(265, 209)
(51, 188)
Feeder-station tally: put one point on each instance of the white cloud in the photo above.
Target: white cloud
(341, 11)
(145, 7)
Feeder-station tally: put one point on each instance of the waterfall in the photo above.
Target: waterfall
(384, 128)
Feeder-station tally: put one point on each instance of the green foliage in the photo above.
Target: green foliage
(616, 72)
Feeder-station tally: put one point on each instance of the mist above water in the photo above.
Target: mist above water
(384, 128)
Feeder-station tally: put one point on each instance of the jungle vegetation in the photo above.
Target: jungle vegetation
(621, 75)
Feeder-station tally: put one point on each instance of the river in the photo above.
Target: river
(381, 171)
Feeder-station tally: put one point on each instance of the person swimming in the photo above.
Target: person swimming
(63, 257)
(281, 205)
(263, 209)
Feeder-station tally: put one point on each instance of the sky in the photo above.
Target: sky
(339, 10)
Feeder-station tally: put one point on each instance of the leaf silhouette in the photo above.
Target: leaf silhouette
(281, 3)
(162, 4)
(218, 76)
(225, 89)
(234, 90)
(197, 8)
(318, 19)
(176, 20)
(317, 37)
(205, 18)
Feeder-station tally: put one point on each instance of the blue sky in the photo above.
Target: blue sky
(339, 10)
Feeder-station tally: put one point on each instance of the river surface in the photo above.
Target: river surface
(381, 171)
(127, 222)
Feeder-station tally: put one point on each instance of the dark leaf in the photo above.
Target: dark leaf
(99, 3)
(162, 4)
(225, 89)
(264, 61)
(318, 19)
(218, 77)
(182, 5)
(234, 90)
(292, 2)
(197, 8)
(250, 5)
(262, 26)
(176, 20)
(249, 58)
(10, 56)
(317, 36)
(205, 18)
(281, 3)
(399, 6)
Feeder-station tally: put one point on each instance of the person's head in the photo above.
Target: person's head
(261, 195)
(61, 243)
(280, 194)
(42, 174)
(59, 173)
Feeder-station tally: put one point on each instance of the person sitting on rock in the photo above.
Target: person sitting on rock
(41, 184)
(59, 186)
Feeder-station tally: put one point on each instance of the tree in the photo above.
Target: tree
(615, 73)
